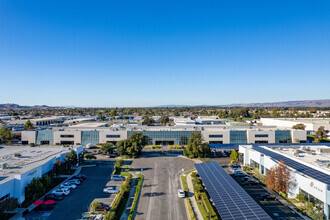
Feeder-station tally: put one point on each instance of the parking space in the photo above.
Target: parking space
(274, 209)
(79, 200)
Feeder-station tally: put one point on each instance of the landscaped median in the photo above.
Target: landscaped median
(118, 206)
(136, 197)
(185, 188)
(203, 202)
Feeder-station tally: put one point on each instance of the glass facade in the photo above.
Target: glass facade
(282, 137)
(238, 137)
(261, 135)
(179, 137)
(91, 137)
(45, 137)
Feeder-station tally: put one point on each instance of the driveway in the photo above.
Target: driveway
(159, 199)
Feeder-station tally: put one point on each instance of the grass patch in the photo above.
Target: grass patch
(124, 173)
(185, 188)
(155, 147)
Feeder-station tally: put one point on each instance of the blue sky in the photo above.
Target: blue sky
(148, 53)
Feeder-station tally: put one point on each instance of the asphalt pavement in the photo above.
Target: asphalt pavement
(73, 205)
(159, 199)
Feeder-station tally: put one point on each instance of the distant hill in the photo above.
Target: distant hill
(16, 106)
(304, 103)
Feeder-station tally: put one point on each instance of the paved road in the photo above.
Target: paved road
(79, 200)
(159, 199)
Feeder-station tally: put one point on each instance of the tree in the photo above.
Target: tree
(34, 188)
(321, 133)
(119, 163)
(5, 133)
(301, 197)
(164, 120)
(270, 178)
(90, 157)
(28, 125)
(234, 155)
(46, 181)
(299, 126)
(71, 158)
(95, 205)
(107, 148)
(278, 178)
(100, 115)
(196, 147)
(133, 145)
(148, 121)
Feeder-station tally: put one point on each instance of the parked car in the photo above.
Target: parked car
(68, 185)
(244, 178)
(252, 182)
(98, 217)
(74, 181)
(53, 196)
(111, 189)
(61, 192)
(181, 193)
(77, 178)
(235, 166)
(103, 207)
(240, 173)
(267, 197)
(117, 177)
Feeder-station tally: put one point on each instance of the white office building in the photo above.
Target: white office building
(309, 166)
(20, 164)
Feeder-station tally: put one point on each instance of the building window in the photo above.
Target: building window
(215, 142)
(238, 137)
(4, 197)
(179, 137)
(67, 135)
(112, 136)
(89, 137)
(215, 136)
(67, 143)
(261, 135)
(261, 142)
(45, 136)
(282, 137)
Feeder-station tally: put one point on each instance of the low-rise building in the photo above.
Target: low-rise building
(20, 164)
(309, 166)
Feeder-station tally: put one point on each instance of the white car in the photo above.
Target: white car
(74, 181)
(181, 193)
(61, 192)
(68, 185)
(111, 189)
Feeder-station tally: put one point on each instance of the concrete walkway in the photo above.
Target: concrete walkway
(131, 197)
(192, 199)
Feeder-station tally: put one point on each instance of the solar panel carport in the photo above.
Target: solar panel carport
(309, 171)
(230, 200)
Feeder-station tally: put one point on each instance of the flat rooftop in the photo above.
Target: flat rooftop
(30, 158)
(89, 125)
(316, 155)
(305, 120)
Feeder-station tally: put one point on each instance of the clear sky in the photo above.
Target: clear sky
(148, 53)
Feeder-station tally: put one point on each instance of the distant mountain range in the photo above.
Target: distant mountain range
(304, 103)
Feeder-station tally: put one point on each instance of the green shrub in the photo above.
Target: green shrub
(95, 206)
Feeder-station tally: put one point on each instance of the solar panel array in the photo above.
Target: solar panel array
(311, 172)
(231, 201)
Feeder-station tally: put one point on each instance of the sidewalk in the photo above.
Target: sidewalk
(131, 197)
(192, 199)
(19, 214)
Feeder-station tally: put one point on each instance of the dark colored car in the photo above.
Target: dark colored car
(251, 182)
(245, 178)
(235, 166)
(267, 197)
(104, 207)
(53, 196)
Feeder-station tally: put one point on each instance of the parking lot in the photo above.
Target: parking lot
(79, 200)
(159, 199)
(275, 209)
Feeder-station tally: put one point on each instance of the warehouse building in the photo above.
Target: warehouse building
(309, 168)
(172, 135)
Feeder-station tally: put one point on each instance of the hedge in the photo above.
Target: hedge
(137, 192)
